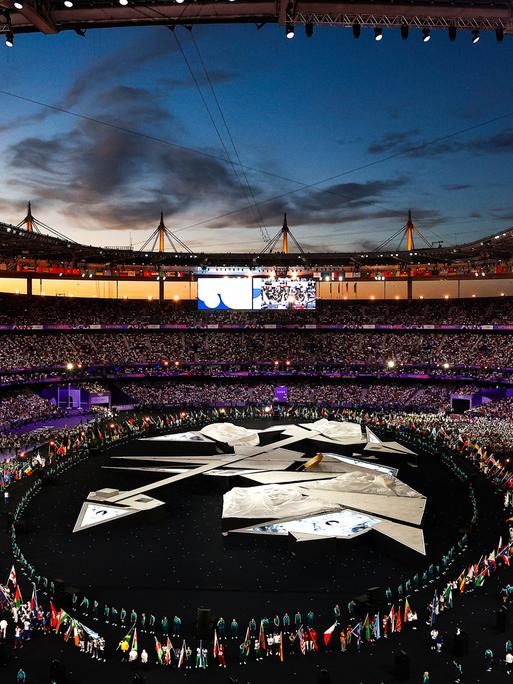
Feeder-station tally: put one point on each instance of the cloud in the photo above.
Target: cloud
(337, 204)
(457, 186)
(115, 66)
(101, 175)
(217, 77)
(392, 140)
(410, 144)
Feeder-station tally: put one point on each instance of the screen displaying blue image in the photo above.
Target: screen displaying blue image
(218, 294)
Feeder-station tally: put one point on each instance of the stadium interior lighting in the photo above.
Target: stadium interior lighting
(452, 33)
(446, 365)
(68, 3)
(391, 363)
(405, 29)
(9, 39)
(357, 29)
(499, 33)
(426, 35)
(123, 2)
(475, 36)
(309, 29)
(69, 366)
(378, 33)
(289, 31)
(18, 4)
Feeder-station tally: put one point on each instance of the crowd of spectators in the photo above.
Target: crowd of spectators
(22, 312)
(21, 406)
(503, 408)
(410, 396)
(372, 349)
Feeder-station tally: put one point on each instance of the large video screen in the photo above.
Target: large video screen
(283, 293)
(217, 294)
(224, 293)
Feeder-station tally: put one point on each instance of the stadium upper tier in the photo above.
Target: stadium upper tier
(20, 312)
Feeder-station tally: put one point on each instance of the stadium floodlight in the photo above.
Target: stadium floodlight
(69, 366)
(475, 36)
(446, 365)
(426, 35)
(123, 2)
(18, 4)
(391, 363)
(378, 33)
(9, 39)
(68, 3)
(289, 31)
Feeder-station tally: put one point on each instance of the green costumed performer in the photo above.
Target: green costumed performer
(234, 628)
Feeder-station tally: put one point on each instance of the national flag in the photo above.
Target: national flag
(135, 644)
(17, 597)
(281, 646)
(247, 642)
(398, 624)
(216, 644)
(201, 656)
(158, 649)
(434, 609)
(391, 618)
(68, 632)
(313, 638)
(34, 607)
(461, 582)
(479, 581)
(407, 609)
(181, 659)
(76, 634)
(328, 633)
(301, 637)
(53, 615)
(12, 577)
(366, 627)
(168, 652)
(261, 636)
(357, 631)
(376, 628)
(60, 617)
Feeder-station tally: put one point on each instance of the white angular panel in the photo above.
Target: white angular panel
(178, 437)
(412, 537)
(342, 524)
(92, 514)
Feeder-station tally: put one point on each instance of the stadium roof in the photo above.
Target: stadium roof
(16, 242)
(53, 16)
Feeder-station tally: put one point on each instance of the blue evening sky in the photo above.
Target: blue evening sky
(299, 111)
